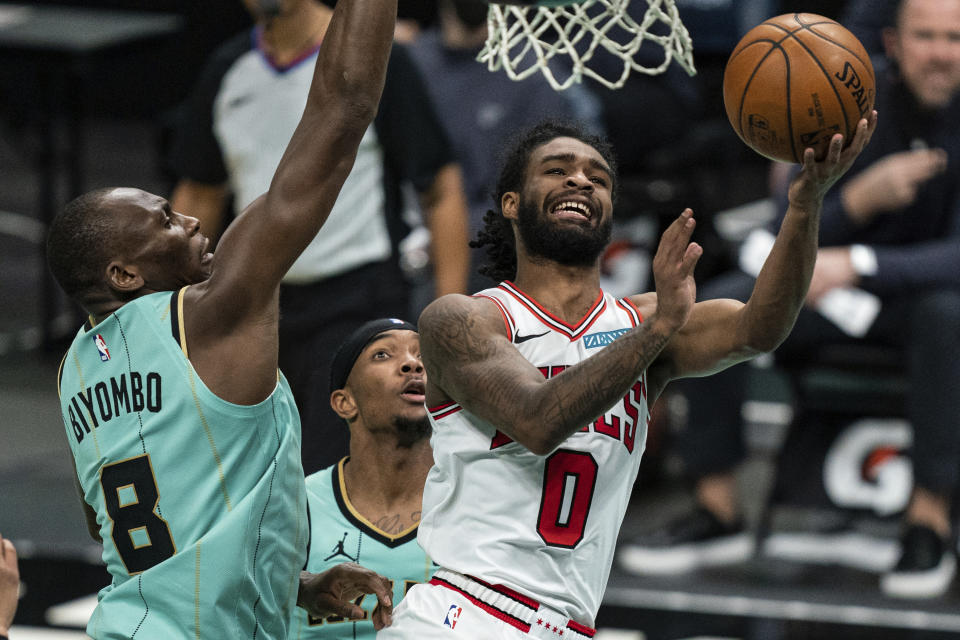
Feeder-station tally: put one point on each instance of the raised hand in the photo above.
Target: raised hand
(816, 178)
(673, 267)
(891, 183)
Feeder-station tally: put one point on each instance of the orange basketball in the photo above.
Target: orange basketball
(793, 82)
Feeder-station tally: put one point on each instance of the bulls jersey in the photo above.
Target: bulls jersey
(544, 526)
(200, 502)
(341, 534)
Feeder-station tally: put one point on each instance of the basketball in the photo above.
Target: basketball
(793, 82)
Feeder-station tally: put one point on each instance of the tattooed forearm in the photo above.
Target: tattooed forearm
(467, 357)
(582, 393)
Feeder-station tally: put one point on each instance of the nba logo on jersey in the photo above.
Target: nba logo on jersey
(101, 347)
(453, 614)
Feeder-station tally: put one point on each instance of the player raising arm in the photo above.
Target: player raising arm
(184, 436)
(539, 389)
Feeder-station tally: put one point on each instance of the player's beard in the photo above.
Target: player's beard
(566, 244)
(410, 431)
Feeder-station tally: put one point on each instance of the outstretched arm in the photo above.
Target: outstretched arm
(232, 318)
(471, 359)
(259, 247)
(723, 332)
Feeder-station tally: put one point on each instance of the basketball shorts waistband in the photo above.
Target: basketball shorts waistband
(511, 607)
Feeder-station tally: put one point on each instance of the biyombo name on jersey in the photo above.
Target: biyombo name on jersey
(602, 339)
(104, 401)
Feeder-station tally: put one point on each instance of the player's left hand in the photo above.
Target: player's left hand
(816, 178)
(333, 592)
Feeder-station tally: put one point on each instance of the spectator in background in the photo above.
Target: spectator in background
(891, 228)
(867, 19)
(9, 586)
(233, 132)
(649, 117)
(366, 508)
(480, 109)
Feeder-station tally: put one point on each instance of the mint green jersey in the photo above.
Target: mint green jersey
(341, 534)
(200, 503)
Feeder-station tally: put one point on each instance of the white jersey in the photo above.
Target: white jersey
(545, 526)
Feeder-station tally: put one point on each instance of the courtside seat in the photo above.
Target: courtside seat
(843, 474)
(857, 379)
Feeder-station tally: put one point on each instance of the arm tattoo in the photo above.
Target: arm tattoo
(564, 403)
(455, 339)
(584, 392)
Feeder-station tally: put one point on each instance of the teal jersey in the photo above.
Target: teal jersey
(341, 534)
(201, 503)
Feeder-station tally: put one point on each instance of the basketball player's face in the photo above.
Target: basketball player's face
(388, 383)
(166, 247)
(926, 46)
(565, 212)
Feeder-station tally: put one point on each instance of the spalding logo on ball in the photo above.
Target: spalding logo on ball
(795, 81)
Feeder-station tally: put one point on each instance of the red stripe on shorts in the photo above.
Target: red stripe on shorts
(581, 628)
(510, 593)
(496, 613)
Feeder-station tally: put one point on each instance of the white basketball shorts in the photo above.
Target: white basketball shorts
(453, 605)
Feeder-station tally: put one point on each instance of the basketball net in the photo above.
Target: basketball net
(524, 39)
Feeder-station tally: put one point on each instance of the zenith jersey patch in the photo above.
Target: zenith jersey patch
(602, 339)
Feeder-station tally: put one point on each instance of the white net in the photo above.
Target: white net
(525, 39)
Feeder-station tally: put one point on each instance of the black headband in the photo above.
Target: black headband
(351, 348)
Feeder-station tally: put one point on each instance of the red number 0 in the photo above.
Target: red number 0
(568, 481)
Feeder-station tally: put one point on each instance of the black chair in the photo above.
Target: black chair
(848, 421)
